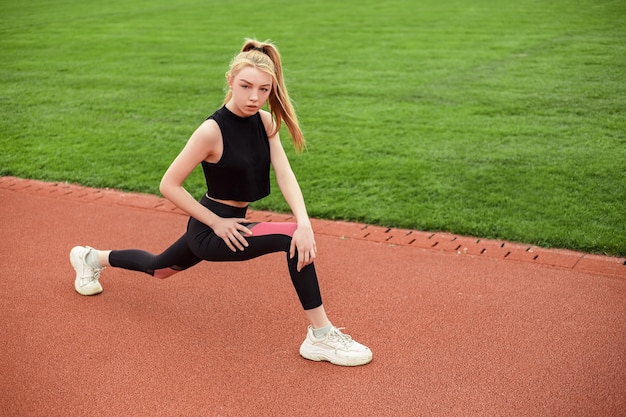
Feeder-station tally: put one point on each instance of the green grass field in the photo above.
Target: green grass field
(485, 118)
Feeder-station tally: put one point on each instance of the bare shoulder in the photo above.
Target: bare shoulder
(268, 121)
(208, 130)
(208, 133)
(207, 140)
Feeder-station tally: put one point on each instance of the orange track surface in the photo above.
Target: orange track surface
(458, 326)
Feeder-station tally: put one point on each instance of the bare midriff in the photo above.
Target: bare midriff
(233, 203)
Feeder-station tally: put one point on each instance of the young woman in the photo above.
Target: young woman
(236, 146)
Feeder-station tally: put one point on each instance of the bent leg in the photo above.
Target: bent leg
(268, 237)
(304, 281)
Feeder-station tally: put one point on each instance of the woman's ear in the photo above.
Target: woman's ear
(229, 80)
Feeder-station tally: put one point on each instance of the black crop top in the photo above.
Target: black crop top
(243, 171)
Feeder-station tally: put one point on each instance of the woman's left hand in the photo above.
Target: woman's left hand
(304, 241)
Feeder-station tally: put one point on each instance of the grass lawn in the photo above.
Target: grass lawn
(493, 119)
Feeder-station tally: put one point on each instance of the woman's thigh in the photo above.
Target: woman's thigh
(267, 237)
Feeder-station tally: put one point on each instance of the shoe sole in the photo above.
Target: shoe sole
(320, 357)
(83, 292)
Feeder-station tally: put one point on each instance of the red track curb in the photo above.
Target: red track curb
(442, 242)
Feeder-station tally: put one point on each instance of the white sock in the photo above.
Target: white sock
(92, 259)
(322, 331)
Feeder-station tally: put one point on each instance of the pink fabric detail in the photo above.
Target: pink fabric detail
(270, 228)
(164, 273)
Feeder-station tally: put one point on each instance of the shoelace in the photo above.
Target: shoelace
(335, 334)
(95, 276)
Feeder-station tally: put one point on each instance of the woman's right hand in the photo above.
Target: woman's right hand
(232, 232)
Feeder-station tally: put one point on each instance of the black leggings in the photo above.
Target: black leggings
(201, 243)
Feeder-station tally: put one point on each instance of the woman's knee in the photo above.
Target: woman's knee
(164, 273)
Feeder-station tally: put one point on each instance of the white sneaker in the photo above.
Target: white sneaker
(86, 282)
(336, 348)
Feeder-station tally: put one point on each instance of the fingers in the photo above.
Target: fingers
(292, 249)
(234, 237)
(243, 228)
(303, 242)
(236, 241)
(305, 257)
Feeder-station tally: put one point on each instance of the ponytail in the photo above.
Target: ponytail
(265, 57)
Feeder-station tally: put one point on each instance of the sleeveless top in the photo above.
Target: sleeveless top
(243, 171)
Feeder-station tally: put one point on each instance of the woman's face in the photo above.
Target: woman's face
(251, 88)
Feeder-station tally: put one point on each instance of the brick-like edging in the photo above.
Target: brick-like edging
(445, 242)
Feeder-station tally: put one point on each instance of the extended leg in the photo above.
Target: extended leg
(177, 257)
(88, 263)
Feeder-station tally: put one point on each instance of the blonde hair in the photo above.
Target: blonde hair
(264, 56)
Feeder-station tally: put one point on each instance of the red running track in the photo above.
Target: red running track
(458, 326)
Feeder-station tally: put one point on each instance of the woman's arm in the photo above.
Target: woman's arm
(303, 238)
(285, 177)
(200, 146)
(288, 183)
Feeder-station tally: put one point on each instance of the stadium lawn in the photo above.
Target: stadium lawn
(485, 118)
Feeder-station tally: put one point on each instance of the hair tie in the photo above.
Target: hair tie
(259, 49)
